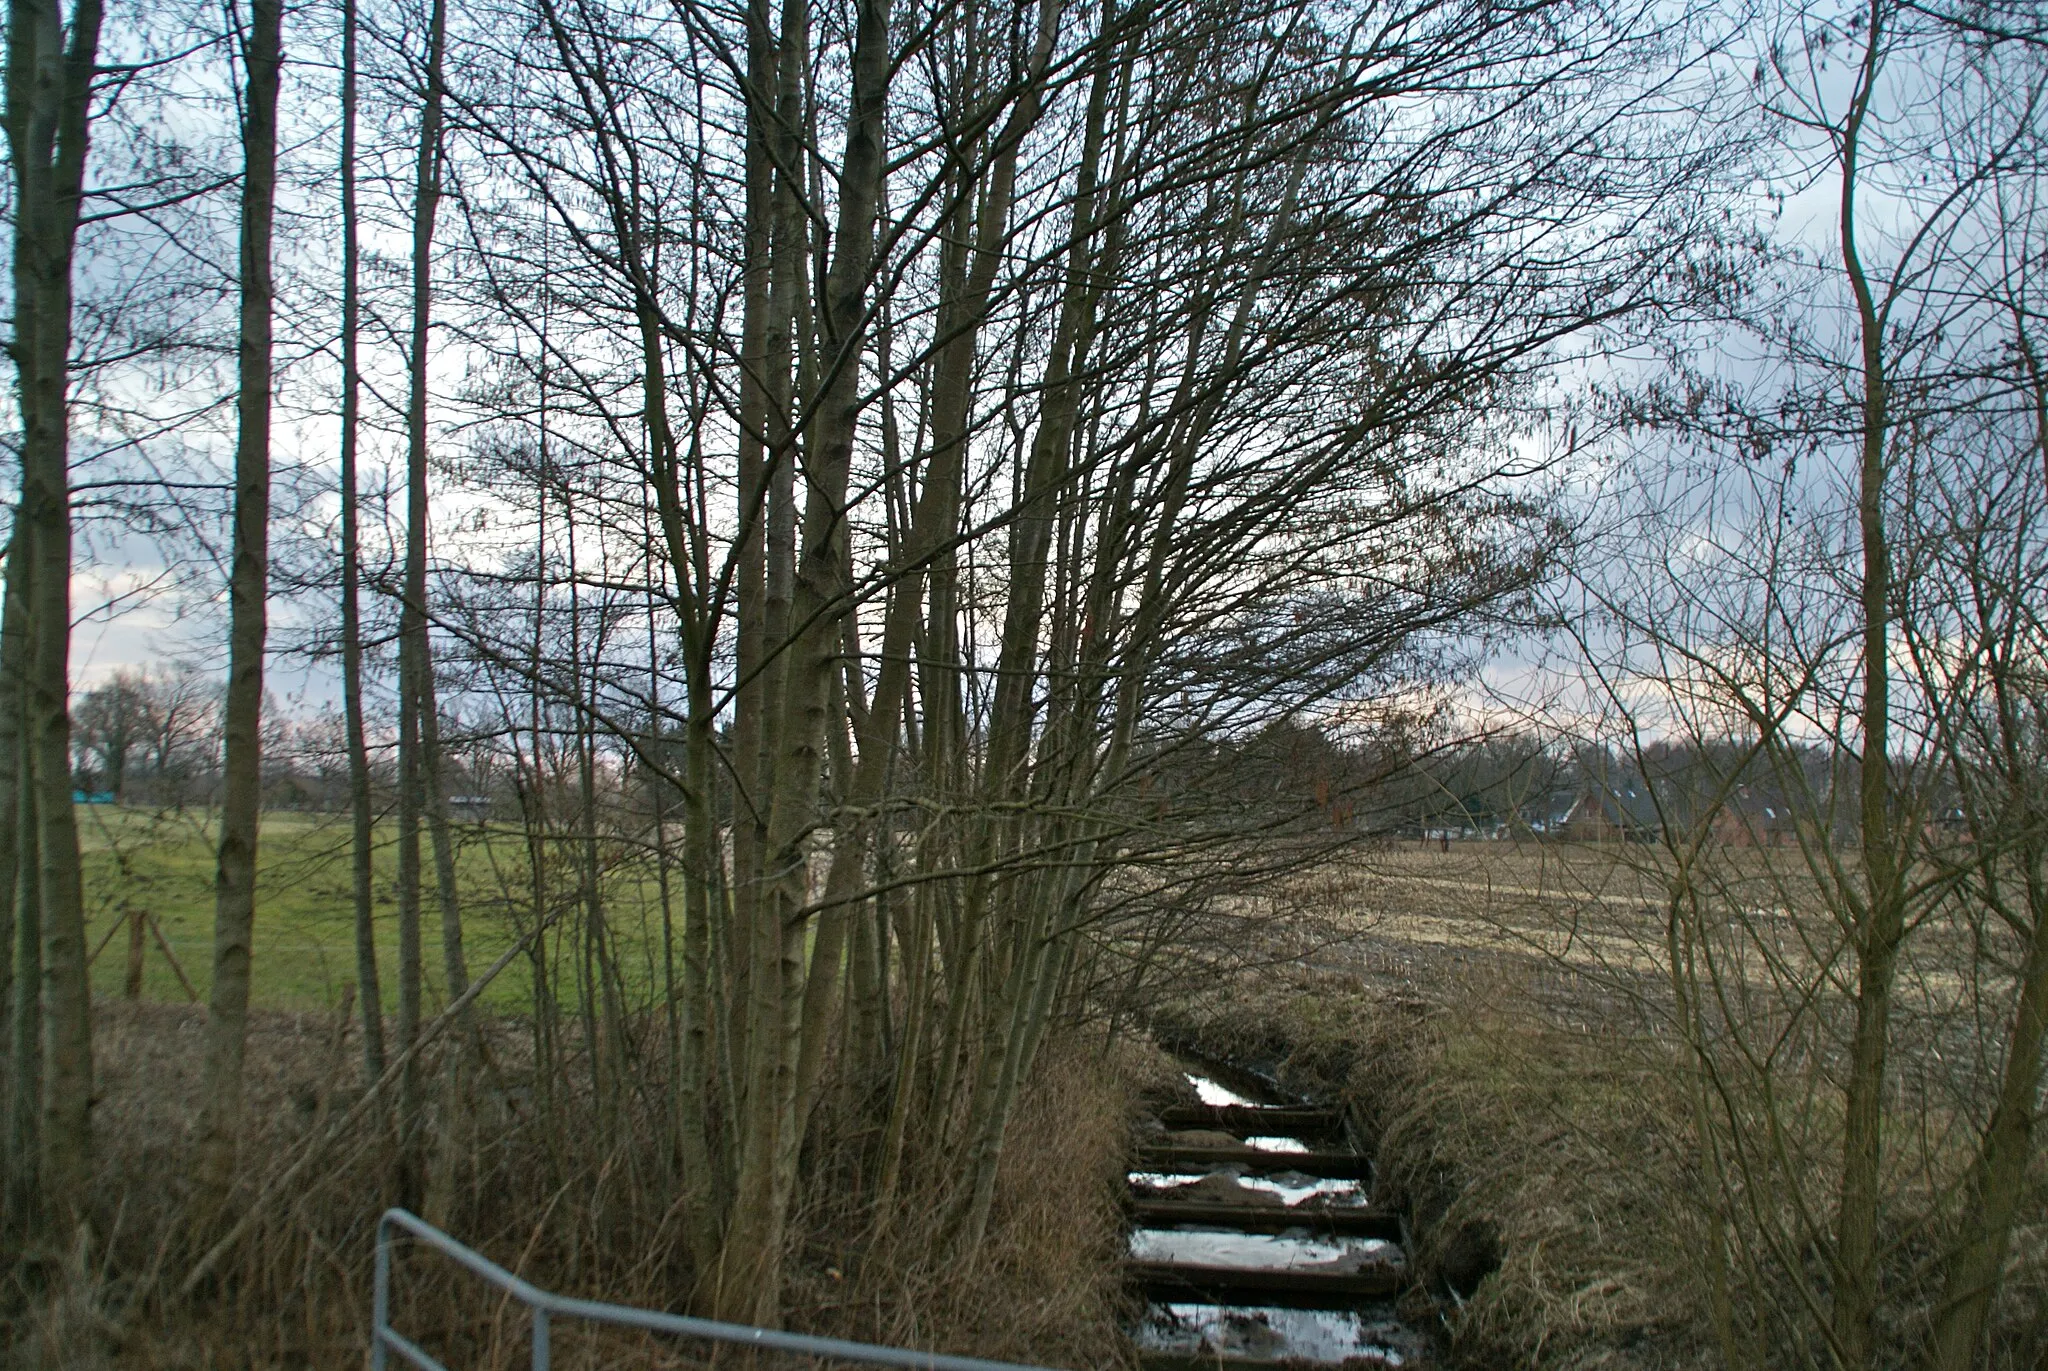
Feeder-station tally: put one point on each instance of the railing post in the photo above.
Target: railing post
(542, 1305)
(380, 1299)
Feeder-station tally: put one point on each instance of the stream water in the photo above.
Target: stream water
(1353, 1332)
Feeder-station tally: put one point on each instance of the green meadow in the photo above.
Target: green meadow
(161, 862)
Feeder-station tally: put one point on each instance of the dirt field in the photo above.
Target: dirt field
(1504, 1015)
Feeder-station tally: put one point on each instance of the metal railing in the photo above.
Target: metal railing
(545, 1307)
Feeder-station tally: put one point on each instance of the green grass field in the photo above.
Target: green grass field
(162, 863)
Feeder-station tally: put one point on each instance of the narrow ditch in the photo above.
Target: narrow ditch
(1255, 1240)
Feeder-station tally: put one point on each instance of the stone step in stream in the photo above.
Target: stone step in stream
(1255, 1242)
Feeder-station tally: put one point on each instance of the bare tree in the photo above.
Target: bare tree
(417, 801)
(361, 832)
(220, 1123)
(985, 509)
(109, 726)
(50, 93)
(1836, 621)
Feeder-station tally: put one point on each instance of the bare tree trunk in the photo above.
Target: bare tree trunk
(13, 671)
(2007, 1148)
(965, 305)
(234, 916)
(751, 1259)
(25, 1079)
(1880, 921)
(688, 562)
(1998, 1185)
(361, 815)
(414, 660)
(49, 95)
(23, 949)
(454, 967)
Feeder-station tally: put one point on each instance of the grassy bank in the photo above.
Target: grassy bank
(583, 1210)
(1531, 1159)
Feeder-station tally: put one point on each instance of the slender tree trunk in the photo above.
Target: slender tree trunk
(751, 1260)
(1880, 919)
(25, 1083)
(767, 519)
(454, 966)
(758, 395)
(49, 97)
(414, 647)
(2003, 1156)
(965, 305)
(361, 814)
(23, 948)
(14, 641)
(2008, 1145)
(701, 1183)
(234, 914)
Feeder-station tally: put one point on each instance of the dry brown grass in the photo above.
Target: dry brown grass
(1046, 1289)
(556, 1200)
(1505, 1139)
(1501, 1016)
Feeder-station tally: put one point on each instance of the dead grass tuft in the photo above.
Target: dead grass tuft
(582, 1209)
(1528, 1158)
(1045, 1287)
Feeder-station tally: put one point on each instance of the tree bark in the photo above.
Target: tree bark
(969, 279)
(49, 95)
(234, 915)
(414, 648)
(750, 1262)
(2007, 1147)
(361, 815)
(13, 819)
(23, 948)
(1880, 921)
(25, 1083)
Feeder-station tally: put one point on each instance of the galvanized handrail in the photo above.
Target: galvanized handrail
(546, 1306)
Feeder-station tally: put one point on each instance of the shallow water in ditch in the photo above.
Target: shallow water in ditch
(1298, 1250)
(1316, 1335)
(1366, 1335)
(1291, 1186)
(1213, 1093)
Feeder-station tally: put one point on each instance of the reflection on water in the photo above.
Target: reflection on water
(1269, 1143)
(1259, 1334)
(1213, 1093)
(1354, 1338)
(1291, 1186)
(1297, 1250)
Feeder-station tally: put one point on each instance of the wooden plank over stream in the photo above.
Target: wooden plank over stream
(1332, 1165)
(1350, 1220)
(1210, 1361)
(1253, 1118)
(1184, 1281)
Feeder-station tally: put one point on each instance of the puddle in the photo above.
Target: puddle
(1213, 1093)
(1272, 1144)
(1291, 1186)
(1373, 1337)
(1296, 1251)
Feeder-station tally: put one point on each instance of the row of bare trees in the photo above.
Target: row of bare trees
(1838, 554)
(975, 431)
(924, 446)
